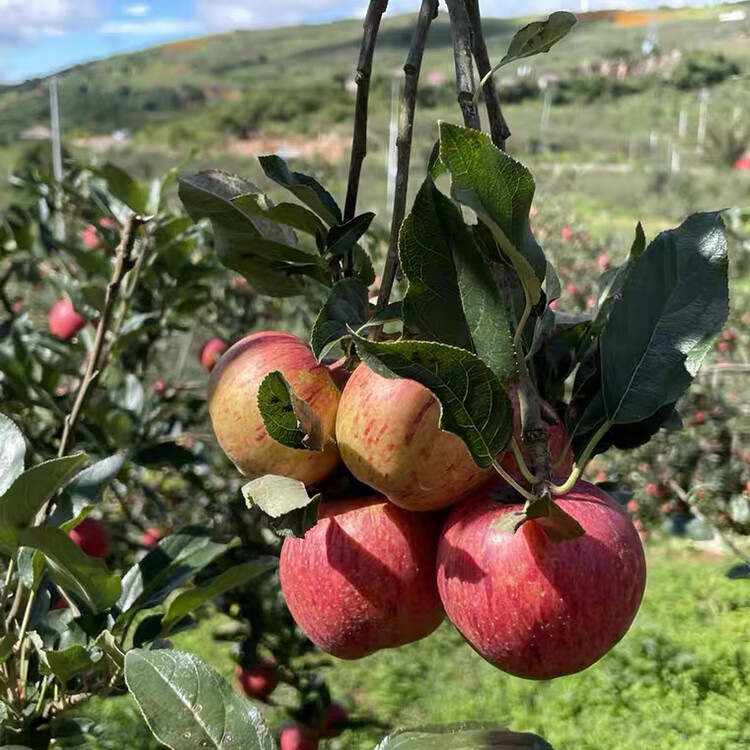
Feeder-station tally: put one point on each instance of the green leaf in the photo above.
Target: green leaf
(500, 191)
(187, 705)
(465, 735)
(187, 601)
(739, 509)
(343, 237)
(107, 644)
(554, 521)
(72, 569)
(30, 491)
(287, 418)
(673, 302)
(285, 501)
(7, 642)
(538, 37)
(291, 214)
(86, 487)
(125, 188)
(175, 559)
(164, 454)
(66, 663)
(12, 452)
(305, 188)
(347, 306)
(473, 404)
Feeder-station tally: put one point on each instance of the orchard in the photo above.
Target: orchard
(224, 409)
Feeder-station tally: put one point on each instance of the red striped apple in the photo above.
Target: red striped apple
(532, 607)
(363, 578)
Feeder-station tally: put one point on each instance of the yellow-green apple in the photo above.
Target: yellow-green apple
(533, 607)
(388, 436)
(233, 406)
(363, 578)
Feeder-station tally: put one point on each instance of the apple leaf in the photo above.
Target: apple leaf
(556, 523)
(285, 501)
(290, 214)
(131, 192)
(287, 418)
(473, 404)
(66, 663)
(186, 704)
(343, 237)
(477, 735)
(12, 452)
(347, 306)
(304, 187)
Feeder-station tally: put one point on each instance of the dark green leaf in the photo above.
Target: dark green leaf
(473, 404)
(187, 705)
(125, 188)
(164, 454)
(12, 452)
(6, 645)
(738, 571)
(291, 214)
(673, 302)
(342, 237)
(305, 188)
(87, 486)
(538, 36)
(347, 306)
(287, 418)
(107, 644)
(465, 735)
(67, 663)
(189, 600)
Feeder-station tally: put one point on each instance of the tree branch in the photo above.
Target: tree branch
(375, 11)
(412, 66)
(498, 127)
(462, 43)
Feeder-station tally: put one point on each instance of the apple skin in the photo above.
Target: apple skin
(233, 406)
(363, 578)
(260, 680)
(151, 537)
(64, 321)
(534, 608)
(295, 738)
(210, 353)
(557, 437)
(388, 436)
(335, 721)
(338, 371)
(92, 536)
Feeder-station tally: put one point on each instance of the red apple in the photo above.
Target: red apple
(91, 236)
(557, 438)
(210, 353)
(339, 373)
(388, 437)
(151, 537)
(233, 407)
(335, 721)
(363, 578)
(295, 738)
(567, 234)
(260, 680)
(92, 536)
(532, 607)
(64, 321)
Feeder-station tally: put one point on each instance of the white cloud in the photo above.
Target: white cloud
(27, 20)
(139, 9)
(219, 15)
(154, 27)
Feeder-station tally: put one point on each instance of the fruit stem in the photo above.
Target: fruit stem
(512, 482)
(412, 66)
(527, 475)
(580, 465)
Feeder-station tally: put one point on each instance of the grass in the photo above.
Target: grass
(679, 678)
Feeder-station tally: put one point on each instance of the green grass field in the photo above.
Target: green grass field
(679, 678)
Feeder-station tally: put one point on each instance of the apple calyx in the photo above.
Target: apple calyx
(558, 525)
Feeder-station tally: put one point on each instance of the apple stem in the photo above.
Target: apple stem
(521, 461)
(580, 465)
(412, 66)
(512, 482)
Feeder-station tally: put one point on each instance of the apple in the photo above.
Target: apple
(260, 680)
(388, 437)
(567, 234)
(294, 737)
(338, 371)
(335, 721)
(233, 406)
(363, 578)
(532, 607)
(64, 321)
(210, 353)
(151, 537)
(91, 237)
(92, 536)
(557, 438)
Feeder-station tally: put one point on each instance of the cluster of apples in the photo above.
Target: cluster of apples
(383, 569)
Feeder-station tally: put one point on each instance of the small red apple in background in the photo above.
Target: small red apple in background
(210, 353)
(335, 721)
(151, 537)
(632, 506)
(259, 680)
(602, 262)
(653, 490)
(338, 371)
(91, 237)
(64, 321)
(233, 406)
(92, 536)
(160, 387)
(571, 288)
(567, 234)
(557, 438)
(295, 738)
(535, 608)
(388, 436)
(363, 578)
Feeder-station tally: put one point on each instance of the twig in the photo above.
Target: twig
(427, 13)
(462, 42)
(728, 367)
(375, 11)
(498, 126)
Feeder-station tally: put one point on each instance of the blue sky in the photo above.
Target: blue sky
(40, 36)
